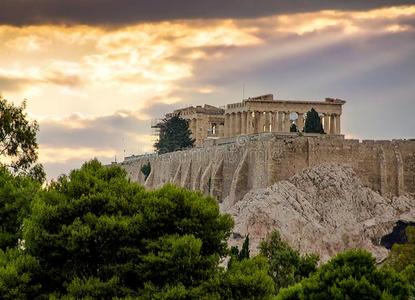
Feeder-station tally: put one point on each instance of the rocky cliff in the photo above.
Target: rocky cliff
(324, 210)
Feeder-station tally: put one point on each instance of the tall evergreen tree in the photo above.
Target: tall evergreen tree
(313, 122)
(244, 254)
(174, 135)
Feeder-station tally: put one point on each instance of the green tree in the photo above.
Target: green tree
(18, 145)
(94, 232)
(18, 275)
(245, 279)
(403, 255)
(16, 195)
(244, 254)
(313, 122)
(293, 128)
(146, 170)
(349, 275)
(174, 135)
(286, 265)
(402, 258)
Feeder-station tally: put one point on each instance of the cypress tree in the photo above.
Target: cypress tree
(244, 254)
(313, 122)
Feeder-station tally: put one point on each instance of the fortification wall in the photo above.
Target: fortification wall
(231, 167)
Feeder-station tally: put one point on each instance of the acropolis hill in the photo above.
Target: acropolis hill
(248, 145)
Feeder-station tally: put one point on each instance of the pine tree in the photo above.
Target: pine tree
(313, 122)
(174, 135)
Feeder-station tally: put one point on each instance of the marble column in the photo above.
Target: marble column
(250, 121)
(326, 123)
(338, 129)
(238, 123)
(280, 118)
(261, 121)
(243, 122)
(266, 122)
(300, 122)
(257, 117)
(287, 122)
(332, 124)
(226, 127)
(274, 124)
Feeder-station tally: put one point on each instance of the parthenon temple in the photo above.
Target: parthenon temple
(257, 115)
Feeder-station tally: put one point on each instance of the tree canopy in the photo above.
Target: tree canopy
(16, 195)
(313, 122)
(95, 231)
(349, 275)
(286, 265)
(174, 135)
(18, 145)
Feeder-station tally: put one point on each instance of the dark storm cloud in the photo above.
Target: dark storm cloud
(110, 12)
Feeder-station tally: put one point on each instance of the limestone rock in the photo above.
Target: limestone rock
(322, 210)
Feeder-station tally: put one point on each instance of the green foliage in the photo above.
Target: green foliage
(286, 265)
(146, 170)
(403, 255)
(174, 135)
(16, 194)
(94, 288)
(96, 232)
(18, 143)
(244, 254)
(313, 122)
(409, 275)
(293, 128)
(18, 275)
(245, 279)
(349, 275)
(236, 255)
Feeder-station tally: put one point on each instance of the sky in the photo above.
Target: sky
(95, 73)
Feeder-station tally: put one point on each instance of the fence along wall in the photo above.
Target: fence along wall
(249, 162)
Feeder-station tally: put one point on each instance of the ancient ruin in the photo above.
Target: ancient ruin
(248, 146)
(257, 115)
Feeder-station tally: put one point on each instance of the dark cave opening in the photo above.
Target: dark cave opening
(398, 234)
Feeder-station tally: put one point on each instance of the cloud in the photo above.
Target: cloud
(108, 12)
(13, 84)
(92, 132)
(75, 139)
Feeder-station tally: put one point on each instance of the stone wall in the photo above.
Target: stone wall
(231, 167)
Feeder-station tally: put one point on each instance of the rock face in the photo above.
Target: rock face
(322, 210)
